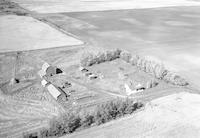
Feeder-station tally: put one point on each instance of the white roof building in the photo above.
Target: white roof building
(45, 66)
(53, 91)
(129, 91)
(44, 83)
(42, 72)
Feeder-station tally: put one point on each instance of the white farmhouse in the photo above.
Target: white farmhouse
(129, 91)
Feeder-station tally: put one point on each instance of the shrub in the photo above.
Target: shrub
(156, 69)
(159, 71)
(141, 64)
(126, 56)
(89, 59)
(74, 122)
(101, 57)
(57, 127)
(133, 60)
(31, 135)
(87, 120)
(100, 117)
(44, 133)
(175, 79)
(152, 83)
(114, 109)
(109, 56)
(148, 66)
(112, 55)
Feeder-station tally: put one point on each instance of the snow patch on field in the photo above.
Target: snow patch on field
(27, 33)
(56, 6)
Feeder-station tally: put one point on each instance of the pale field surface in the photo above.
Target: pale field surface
(56, 6)
(175, 115)
(26, 33)
(170, 35)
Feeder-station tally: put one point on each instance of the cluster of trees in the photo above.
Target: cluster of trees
(175, 79)
(11, 7)
(157, 69)
(152, 83)
(89, 59)
(75, 121)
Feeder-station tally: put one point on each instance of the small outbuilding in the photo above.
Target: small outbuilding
(44, 83)
(93, 76)
(82, 69)
(129, 91)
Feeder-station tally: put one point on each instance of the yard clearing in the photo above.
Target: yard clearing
(26, 33)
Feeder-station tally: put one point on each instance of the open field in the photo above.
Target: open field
(56, 6)
(167, 34)
(30, 34)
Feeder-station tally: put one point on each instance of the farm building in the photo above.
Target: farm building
(44, 83)
(56, 92)
(82, 69)
(53, 90)
(48, 70)
(129, 90)
(92, 76)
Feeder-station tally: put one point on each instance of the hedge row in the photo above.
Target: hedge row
(71, 122)
(90, 59)
(157, 69)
